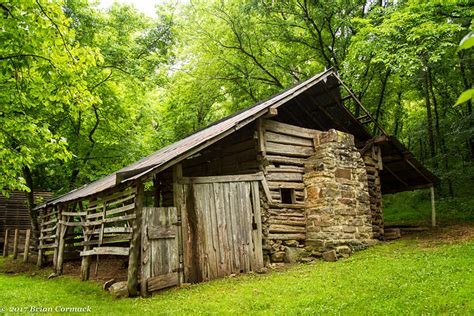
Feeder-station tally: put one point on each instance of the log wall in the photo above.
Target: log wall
(283, 150)
(373, 163)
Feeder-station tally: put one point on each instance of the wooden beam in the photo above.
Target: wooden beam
(27, 245)
(123, 175)
(272, 111)
(359, 103)
(433, 208)
(117, 251)
(15, 244)
(219, 179)
(135, 243)
(5, 243)
(396, 177)
(178, 202)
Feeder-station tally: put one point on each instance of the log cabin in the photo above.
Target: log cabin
(297, 173)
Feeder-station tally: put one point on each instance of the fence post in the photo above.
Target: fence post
(5, 243)
(27, 245)
(15, 244)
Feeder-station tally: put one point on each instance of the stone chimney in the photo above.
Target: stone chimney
(336, 191)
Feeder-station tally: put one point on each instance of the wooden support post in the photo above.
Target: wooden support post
(5, 243)
(135, 244)
(39, 263)
(86, 260)
(433, 208)
(15, 244)
(26, 251)
(177, 202)
(60, 238)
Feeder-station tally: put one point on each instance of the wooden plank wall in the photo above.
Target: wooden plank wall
(283, 152)
(159, 250)
(14, 210)
(221, 228)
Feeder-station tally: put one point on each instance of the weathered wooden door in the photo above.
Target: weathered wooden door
(222, 231)
(160, 257)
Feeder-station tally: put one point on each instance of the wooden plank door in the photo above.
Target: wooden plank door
(222, 231)
(160, 257)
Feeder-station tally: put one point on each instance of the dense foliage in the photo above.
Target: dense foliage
(84, 91)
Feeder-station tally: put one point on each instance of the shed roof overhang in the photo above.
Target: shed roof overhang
(315, 103)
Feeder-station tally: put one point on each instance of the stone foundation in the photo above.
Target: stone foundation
(337, 197)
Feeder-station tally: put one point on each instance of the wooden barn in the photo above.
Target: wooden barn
(299, 173)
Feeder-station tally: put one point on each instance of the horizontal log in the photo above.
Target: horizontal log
(293, 130)
(72, 224)
(282, 205)
(289, 169)
(288, 139)
(107, 240)
(287, 213)
(285, 185)
(286, 236)
(285, 160)
(287, 221)
(110, 230)
(278, 176)
(45, 230)
(49, 246)
(113, 211)
(162, 281)
(274, 228)
(218, 179)
(49, 222)
(74, 213)
(117, 251)
(290, 150)
(111, 220)
(122, 200)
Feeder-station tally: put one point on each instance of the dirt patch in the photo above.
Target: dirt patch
(10, 266)
(108, 268)
(443, 235)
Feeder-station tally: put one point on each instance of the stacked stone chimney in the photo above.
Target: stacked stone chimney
(338, 211)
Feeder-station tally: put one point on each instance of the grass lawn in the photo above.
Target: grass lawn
(427, 273)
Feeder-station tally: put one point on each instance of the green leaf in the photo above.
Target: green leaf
(465, 96)
(467, 41)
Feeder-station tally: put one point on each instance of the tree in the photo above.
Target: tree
(42, 77)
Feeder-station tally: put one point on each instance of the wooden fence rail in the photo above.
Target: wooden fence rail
(17, 241)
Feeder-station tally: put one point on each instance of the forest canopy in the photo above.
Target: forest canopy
(86, 91)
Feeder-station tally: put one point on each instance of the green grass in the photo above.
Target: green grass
(403, 277)
(414, 208)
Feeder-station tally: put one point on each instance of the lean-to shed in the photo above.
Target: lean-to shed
(297, 171)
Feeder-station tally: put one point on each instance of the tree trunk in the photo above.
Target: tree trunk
(439, 136)
(429, 118)
(31, 204)
(381, 98)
